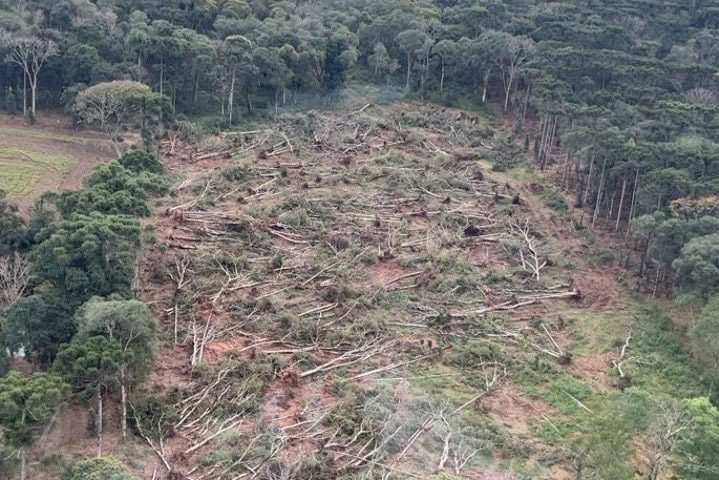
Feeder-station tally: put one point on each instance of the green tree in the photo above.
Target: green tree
(340, 55)
(141, 161)
(411, 42)
(29, 326)
(92, 366)
(131, 323)
(382, 63)
(118, 105)
(235, 53)
(596, 449)
(515, 54)
(113, 189)
(698, 265)
(88, 255)
(27, 405)
(448, 53)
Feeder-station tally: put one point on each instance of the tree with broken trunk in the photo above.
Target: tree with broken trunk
(28, 404)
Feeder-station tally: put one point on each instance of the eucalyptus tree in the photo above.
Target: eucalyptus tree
(30, 53)
(412, 43)
(235, 54)
(515, 53)
(131, 324)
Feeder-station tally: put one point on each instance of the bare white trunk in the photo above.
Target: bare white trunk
(33, 91)
(441, 79)
(162, 76)
(123, 400)
(409, 65)
(99, 422)
(600, 192)
(24, 93)
(508, 90)
(231, 100)
(23, 464)
(633, 206)
(589, 180)
(621, 204)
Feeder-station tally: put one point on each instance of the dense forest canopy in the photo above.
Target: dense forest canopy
(617, 101)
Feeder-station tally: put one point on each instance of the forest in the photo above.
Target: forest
(282, 163)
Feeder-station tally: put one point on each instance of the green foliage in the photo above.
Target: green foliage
(701, 448)
(29, 325)
(704, 338)
(554, 200)
(698, 264)
(88, 255)
(157, 416)
(446, 476)
(130, 323)
(121, 104)
(114, 189)
(27, 404)
(506, 154)
(141, 161)
(602, 446)
(100, 468)
(11, 226)
(92, 365)
(470, 354)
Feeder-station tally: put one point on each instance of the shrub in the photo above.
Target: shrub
(141, 161)
(101, 468)
(554, 200)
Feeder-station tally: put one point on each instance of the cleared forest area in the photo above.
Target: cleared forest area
(355, 292)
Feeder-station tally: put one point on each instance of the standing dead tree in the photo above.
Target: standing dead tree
(492, 373)
(181, 279)
(14, 279)
(528, 254)
(668, 428)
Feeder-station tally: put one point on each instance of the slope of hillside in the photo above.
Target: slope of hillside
(348, 292)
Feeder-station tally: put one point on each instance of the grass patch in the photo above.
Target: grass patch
(22, 168)
(562, 391)
(44, 134)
